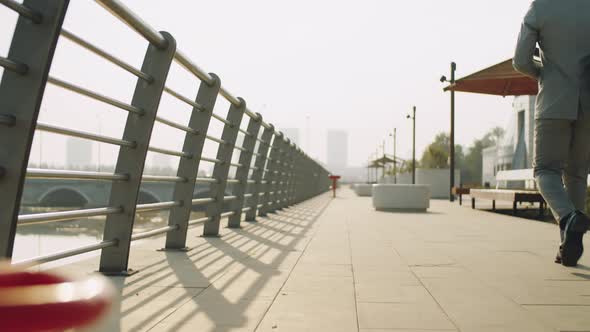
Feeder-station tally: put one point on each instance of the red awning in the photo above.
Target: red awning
(499, 80)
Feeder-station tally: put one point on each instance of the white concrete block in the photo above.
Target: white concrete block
(363, 189)
(401, 197)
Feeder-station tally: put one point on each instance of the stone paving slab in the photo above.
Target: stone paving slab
(356, 269)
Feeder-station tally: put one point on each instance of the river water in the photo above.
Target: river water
(33, 240)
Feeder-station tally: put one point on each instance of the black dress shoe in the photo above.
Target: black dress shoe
(572, 247)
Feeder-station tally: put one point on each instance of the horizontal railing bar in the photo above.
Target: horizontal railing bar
(67, 215)
(85, 135)
(245, 132)
(229, 198)
(214, 139)
(251, 114)
(157, 206)
(105, 55)
(206, 180)
(183, 98)
(170, 152)
(211, 160)
(94, 95)
(184, 61)
(7, 120)
(65, 254)
(202, 201)
(154, 232)
(248, 195)
(259, 206)
(199, 221)
(266, 125)
(37, 173)
(221, 119)
(251, 181)
(229, 97)
(23, 10)
(246, 209)
(236, 165)
(227, 214)
(177, 126)
(233, 181)
(16, 67)
(241, 148)
(121, 11)
(162, 178)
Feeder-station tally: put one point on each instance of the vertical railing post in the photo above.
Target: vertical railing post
(242, 173)
(259, 166)
(294, 175)
(271, 175)
(21, 93)
(131, 160)
(221, 170)
(279, 163)
(287, 167)
(188, 168)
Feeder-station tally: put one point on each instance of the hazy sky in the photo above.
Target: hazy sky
(353, 65)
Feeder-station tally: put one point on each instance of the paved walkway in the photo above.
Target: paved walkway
(355, 269)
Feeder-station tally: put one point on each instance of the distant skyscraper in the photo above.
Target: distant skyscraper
(292, 134)
(78, 152)
(337, 149)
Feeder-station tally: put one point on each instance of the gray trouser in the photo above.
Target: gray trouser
(561, 163)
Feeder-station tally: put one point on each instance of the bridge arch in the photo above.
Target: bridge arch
(147, 197)
(64, 197)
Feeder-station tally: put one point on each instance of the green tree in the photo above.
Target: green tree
(472, 168)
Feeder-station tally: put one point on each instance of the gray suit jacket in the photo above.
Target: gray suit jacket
(562, 29)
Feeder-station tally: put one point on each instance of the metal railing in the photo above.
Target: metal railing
(271, 173)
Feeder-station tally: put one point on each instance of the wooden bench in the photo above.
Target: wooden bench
(460, 191)
(509, 195)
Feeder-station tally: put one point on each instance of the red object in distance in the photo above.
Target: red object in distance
(334, 179)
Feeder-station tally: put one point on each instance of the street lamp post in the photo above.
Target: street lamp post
(394, 155)
(452, 134)
(413, 117)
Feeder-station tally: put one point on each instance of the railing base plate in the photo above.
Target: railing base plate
(185, 249)
(126, 273)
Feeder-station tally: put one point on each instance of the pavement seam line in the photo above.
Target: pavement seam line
(312, 236)
(356, 310)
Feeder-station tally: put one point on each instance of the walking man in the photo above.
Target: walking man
(562, 117)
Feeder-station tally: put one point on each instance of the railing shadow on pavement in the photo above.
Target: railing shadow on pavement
(229, 257)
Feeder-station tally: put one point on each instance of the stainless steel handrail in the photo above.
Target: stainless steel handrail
(170, 152)
(185, 62)
(216, 140)
(162, 178)
(135, 22)
(157, 206)
(105, 55)
(202, 201)
(177, 126)
(245, 132)
(199, 221)
(85, 135)
(23, 10)
(217, 117)
(67, 215)
(154, 232)
(206, 180)
(94, 95)
(183, 98)
(16, 67)
(211, 160)
(65, 254)
(37, 173)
